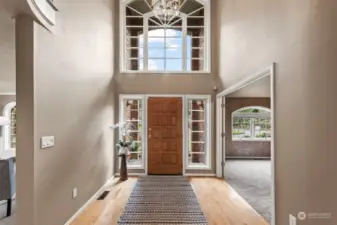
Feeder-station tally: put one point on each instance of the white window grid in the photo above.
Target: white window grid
(203, 121)
(9, 131)
(143, 61)
(13, 128)
(136, 158)
(251, 126)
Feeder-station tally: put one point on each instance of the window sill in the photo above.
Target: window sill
(8, 153)
(140, 167)
(263, 140)
(198, 167)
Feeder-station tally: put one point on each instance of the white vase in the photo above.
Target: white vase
(123, 150)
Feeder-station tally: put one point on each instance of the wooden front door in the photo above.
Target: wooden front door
(165, 136)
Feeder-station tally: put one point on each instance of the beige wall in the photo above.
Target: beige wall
(73, 95)
(300, 36)
(7, 52)
(25, 145)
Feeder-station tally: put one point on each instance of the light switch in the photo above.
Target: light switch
(47, 141)
(74, 192)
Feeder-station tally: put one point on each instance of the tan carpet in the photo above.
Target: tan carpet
(7, 220)
(252, 180)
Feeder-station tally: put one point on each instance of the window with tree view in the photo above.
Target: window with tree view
(132, 116)
(176, 44)
(10, 129)
(198, 131)
(13, 128)
(251, 124)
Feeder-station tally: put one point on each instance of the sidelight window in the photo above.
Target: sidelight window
(132, 113)
(198, 131)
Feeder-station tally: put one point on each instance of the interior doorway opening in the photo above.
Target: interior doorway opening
(237, 133)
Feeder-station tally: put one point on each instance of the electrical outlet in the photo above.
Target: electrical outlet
(292, 220)
(74, 192)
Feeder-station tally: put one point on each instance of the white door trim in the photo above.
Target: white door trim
(220, 125)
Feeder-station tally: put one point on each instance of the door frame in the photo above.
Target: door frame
(185, 97)
(220, 125)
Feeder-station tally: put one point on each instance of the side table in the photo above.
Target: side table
(123, 171)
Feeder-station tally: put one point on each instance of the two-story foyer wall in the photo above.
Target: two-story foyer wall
(154, 83)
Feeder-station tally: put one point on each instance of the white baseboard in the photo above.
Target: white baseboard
(132, 174)
(93, 198)
(246, 157)
(186, 174)
(7, 93)
(200, 175)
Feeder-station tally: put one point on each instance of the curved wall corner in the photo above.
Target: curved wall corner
(44, 11)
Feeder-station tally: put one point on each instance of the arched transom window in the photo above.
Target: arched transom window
(10, 130)
(251, 123)
(176, 43)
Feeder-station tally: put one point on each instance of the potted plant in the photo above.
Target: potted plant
(123, 145)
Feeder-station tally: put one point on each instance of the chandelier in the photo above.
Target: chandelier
(166, 9)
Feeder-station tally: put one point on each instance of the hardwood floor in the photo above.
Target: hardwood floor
(220, 203)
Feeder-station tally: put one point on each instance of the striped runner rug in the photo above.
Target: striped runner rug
(168, 200)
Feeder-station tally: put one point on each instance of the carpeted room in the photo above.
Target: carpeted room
(248, 150)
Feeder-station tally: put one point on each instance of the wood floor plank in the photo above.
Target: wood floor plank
(220, 203)
(107, 211)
